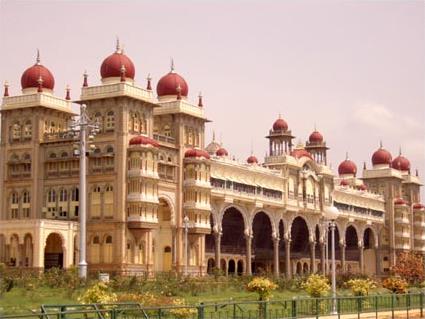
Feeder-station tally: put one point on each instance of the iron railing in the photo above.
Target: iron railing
(303, 307)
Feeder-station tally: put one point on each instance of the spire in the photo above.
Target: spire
(40, 84)
(200, 104)
(179, 92)
(252, 147)
(315, 128)
(68, 95)
(346, 156)
(149, 84)
(118, 46)
(6, 89)
(85, 76)
(380, 143)
(213, 136)
(399, 151)
(37, 60)
(416, 172)
(172, 66)
(122, 71)
(364, 165)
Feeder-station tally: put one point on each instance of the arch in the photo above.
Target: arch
(210, 266)
(270, 218)
(170, 202)
(305, 268)
(14, 252)
(369, 244)
(28, 251)
(239, 267)
(299, 238)
(370, 239)
(232, 267)
(240, 209)
(53, 251)
(163, 236)
(299, 268)
(262, 242)
(233, 232)
(351, 244)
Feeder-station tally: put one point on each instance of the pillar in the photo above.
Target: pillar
(288, 258)
(343, 266)
(361, 259)
(378, 260)
(217, 242)
(312, 257)
(322, 258)
(248, 239)
(276, 256)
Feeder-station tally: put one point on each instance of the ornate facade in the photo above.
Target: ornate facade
(149, 167)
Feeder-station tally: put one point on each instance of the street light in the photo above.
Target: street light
(331, 213)
(186, 244)
(85, 127)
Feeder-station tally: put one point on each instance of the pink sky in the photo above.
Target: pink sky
(356, 69)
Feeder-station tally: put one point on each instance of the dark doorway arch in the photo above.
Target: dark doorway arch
(240, 267)
(299, 238)
(233, 238)
(262, 243)
(370, 252)
(351, 244)
(53, 252)
(210, 266)
(232, 267)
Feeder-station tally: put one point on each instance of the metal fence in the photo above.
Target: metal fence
(275, 309)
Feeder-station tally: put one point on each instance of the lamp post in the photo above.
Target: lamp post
(186, 244)
(86, 128)
(331, 213)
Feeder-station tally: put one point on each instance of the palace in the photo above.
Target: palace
(149, 170)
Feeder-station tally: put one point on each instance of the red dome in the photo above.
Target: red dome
(280, 125)
(300, 152)
(399, 201)
(168, 84)
(381, 156)
(315, 137)
(363, 187)
(196, 153)
(32, 75)
(401, 163)
(418, 206)
(221, 152)
(347, 167)
(252, 160)
(344, 183)
(111, 66)
(143, 140)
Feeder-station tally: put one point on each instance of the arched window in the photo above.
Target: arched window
(52, 128)
(14, 158)
(52, 155)
(95, 202)
(110, 121)
(75, 195)
(64, 154)
(63, 195)
(14, 198)
(51, 196)
(26, 197)
(99, 121)
(136, 122)
(27, 129)
(109, 201)
(95, 250)
(167, 130)
(107, 250)
(16, 131)
(109, 150)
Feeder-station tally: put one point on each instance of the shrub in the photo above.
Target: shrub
(410, 267)
(395, 285)
(360, 287)
(262, 286)
(98, 293)
(182, 312)
(316, 286)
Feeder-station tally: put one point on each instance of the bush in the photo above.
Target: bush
(395, 285)
(360, 287)
(410, 267)
(98, 293)
(262, 286)
(181, 312)
(316, 286)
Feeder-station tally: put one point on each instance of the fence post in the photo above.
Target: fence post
(376, 306)
(113, 313)
(359, 302)
(265, 309)
(392, 306)
(201, 311)
(317, 308)
(62, 315)
(408, 304)
(421, 300)
(294, 307)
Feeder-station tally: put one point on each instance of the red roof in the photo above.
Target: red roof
(401, 163)
(221, 152)
(399, 201)
(111, 66)
(168, 84)
(344, 183)
(31, 76)
(381, 156)
(194, 152)
(418, 206)
(315, 137)
(300, 152)
(143, 140)
(280, 125)
(347, 167)
(252, 160)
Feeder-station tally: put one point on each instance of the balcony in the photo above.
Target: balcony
(147, 221)
(116, 89)
(139, 197)
(164, 139)
(197, 183)
(196, 206)
(402, 246)
(137, 172)
(402, 220)
(403, 234)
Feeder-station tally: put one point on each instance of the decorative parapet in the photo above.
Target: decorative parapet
(35, 100)
(179, 106)
(114, 90)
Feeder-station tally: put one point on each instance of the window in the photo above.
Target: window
(15, 198)
(75, 195)
(25, 197)
(63, 195)
(107, 250)
(110, 121)
(51, 196)
(109, 201)
(95, 202)
(16, 131)
(99, 120)
(28, 130)
(167, 130)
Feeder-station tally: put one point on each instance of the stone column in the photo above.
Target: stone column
(288, 258)
(276, 256)
(361, 259)
(217, 241)
(378, 260)
(322, 258)
(248, 239)
(312, 257)
(343, 265)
